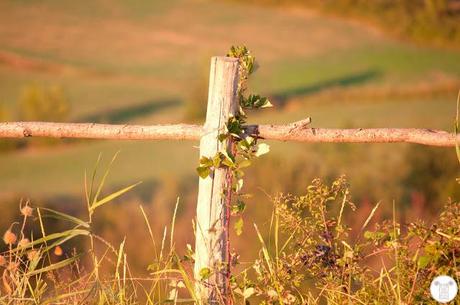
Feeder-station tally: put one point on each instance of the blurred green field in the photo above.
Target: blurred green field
(137, 61)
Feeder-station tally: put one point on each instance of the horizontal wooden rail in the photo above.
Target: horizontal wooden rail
(296, 132)
(100, 131)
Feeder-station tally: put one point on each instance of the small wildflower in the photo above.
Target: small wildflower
(27, 210)
(58, 251)
(24, 242)
(2, 260)
(9, 237)
(13, 266)
(33, 255)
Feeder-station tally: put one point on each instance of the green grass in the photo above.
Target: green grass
(386, 64)
(435, 113)
(32, 172)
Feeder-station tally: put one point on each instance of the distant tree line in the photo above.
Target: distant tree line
(433, 21)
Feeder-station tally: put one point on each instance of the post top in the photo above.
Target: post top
(224, 58)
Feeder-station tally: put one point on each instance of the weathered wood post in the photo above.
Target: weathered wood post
(211, 213)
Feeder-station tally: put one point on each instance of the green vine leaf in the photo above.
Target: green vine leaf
(205, 273)
(204, 168)
(217, 160)
(205, 161)
(239, 207)
(239, 185)
(228, 159)
(423, 261)
(203, 172)
(239, 226)
(234, 126)
(244, 163)
(255, 102)
(238, 174)
(223, 136)
(246, 59)
(246, 144)
(262, 149)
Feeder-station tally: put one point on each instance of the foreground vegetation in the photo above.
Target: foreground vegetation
(309, 255)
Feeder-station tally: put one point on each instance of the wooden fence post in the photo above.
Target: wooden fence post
(211, 213)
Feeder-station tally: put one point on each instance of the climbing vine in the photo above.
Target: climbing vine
(244, 147)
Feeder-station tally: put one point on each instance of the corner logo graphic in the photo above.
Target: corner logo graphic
(443, 289)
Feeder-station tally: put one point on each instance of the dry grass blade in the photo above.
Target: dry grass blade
(112, 196)
(65, 234)
(61, 216)
(371, 215)
(54, 266)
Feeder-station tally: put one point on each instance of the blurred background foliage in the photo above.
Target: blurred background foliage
(43, 104)
(343, 63)
(425, 21)
(36, 103)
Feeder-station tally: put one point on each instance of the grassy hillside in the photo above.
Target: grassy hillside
(137, 61)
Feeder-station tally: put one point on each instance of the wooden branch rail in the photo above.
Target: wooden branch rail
(297, 132)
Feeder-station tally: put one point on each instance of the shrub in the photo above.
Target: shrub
(48, 104)
(197, 98)
(43, 104)
(316, 259)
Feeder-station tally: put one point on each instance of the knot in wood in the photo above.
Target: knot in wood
(27, 132)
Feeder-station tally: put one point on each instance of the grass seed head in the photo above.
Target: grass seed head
(23, 242)
(33, 255)
(27, 211)
(13, 266)
(9, 237)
